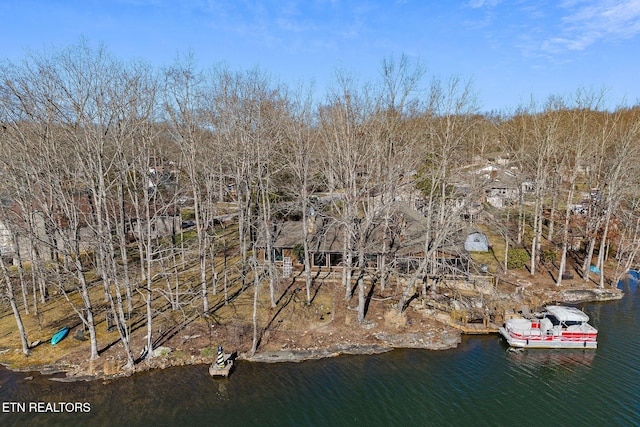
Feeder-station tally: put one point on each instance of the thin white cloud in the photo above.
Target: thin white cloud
(591, 21)
(295, 26)
(483, 3)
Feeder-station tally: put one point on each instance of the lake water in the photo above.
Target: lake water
(479, 383)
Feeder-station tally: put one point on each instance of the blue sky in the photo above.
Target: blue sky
(512, 49)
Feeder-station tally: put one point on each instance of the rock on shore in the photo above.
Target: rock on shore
(430, 340)
(586, 295)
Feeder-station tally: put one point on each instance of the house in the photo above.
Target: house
(466, 202)
(326, 245)
(400, 241)
(501, 192)
(161, 225)
(6, 241)
(504, 188)
(16, 241)
(502, 185)
(49, 234)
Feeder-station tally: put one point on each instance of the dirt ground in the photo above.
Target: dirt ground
(292, 331)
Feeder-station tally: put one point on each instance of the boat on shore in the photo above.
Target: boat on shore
(556, 327)
(60, 335)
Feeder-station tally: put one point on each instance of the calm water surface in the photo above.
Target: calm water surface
(479, 383)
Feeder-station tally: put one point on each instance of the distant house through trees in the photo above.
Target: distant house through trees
(405, 247)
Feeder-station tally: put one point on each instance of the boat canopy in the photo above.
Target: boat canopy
(567, 314)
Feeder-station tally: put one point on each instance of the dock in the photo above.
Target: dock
(216, 371)
(459, 321)
(476, 328)
(222, 365)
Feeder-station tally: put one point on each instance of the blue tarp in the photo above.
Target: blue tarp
(594, 269)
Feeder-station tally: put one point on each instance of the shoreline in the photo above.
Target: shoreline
(76, 373)
(287, 356)
(447, 337)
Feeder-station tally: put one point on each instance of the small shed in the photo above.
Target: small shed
(476, 242)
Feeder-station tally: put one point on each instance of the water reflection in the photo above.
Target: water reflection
(562, 358)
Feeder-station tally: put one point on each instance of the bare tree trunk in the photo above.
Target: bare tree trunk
(552, 216)
(506, 253)
(87, 317)
(361, 297)
(360, 281)
(588, 257)
(534, 241)
(346, 264)
(305, 244)
(521, 220)
(244, 223)
(383, 255)
(565, 237)
(202, 253)
(214, 273)
(266, 225)
(16, 313)
(254, 315)
(603, 250)
(225, 279)
(21, 275)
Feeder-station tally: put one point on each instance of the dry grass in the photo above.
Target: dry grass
(395, 319)
(236, 315)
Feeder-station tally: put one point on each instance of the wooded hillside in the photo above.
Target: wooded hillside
(125, 176)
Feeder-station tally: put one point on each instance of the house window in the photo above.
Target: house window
(407, 265)
(371, 261)
(276, 254)
(319, 259)
(335, 259)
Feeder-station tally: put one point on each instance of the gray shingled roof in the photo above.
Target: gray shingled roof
(408, 224)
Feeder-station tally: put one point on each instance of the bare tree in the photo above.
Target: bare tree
(540, 154)
(620, 169)
(8, 285)
(183, 106)
(300, 149)
(576, 150)
(343, 128)
(444, 129)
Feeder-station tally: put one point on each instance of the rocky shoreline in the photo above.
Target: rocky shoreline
(444, 338)
(427, 341)
(91, 371)
(574, 296)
